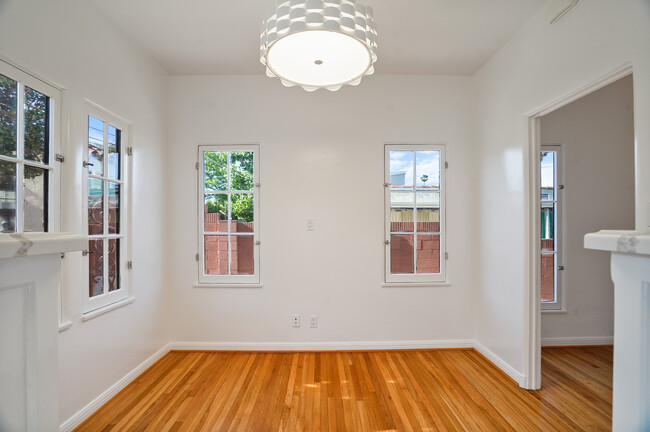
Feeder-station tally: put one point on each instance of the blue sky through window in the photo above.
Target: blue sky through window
(428, 164)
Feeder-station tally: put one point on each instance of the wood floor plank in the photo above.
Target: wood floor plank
(427, 390)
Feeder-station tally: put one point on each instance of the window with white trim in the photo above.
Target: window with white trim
(415, 213)
(228, 214)
(106, 209)
(29, 185)
(551, 227)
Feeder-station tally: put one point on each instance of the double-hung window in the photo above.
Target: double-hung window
(29, 110)
(228, 214)
(106, 209)
(415, 213)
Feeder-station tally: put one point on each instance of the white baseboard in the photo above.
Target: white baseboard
(94, 405)
(577, 341)
(501, 364)
(320, 346)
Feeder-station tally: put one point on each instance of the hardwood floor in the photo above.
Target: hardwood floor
(436, 390)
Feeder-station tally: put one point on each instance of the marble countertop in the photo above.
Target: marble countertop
(30, 244)
(632, 242)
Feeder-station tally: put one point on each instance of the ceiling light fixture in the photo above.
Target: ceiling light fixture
(319, 44)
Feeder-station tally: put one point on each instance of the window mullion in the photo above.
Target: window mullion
(415, 212)
(20, 155)
(105, 216)
(229, 215)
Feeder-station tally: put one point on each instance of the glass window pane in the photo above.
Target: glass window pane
(215, 254)
(215, 171)
(242, 210)
(7, 196)
(428, 220)
(401, 169)
(428, 253)
(95, 206)
(241, 170)
(548, 277)
(95, 146)
(547, 226)
(8, 116)
(96, 267)
(36, 126)
(427, 175)
(401, 254)
(113, 264)
(547, 180)
(242, 255)
(215, 213)
(113, 208)
(35, 189)
(114, 136)
(401, 220)
(401, 211)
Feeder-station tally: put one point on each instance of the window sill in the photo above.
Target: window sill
(227, 285)
(102, 310)
(64, 326)
(414, 284)
(554, 311)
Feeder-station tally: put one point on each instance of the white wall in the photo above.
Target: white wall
(597, 137)
(71, 44)
(541, 64)
(322, 156)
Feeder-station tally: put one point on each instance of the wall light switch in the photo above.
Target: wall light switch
(313, 321)
(310, 224)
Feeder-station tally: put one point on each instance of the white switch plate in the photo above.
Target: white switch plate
(295, 320)
(313, 321)
(309, 225)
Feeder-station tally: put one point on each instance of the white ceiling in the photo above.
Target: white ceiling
(218, 37)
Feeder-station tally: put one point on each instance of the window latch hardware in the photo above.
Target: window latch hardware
(257, 243)
(446, 256)
(129, 151)
(86, 252)
(386, 184)
(560, 267)
(86, 164)
(560, 187)
(258, 185)
(386, 242)
(197, 257)
(59, 157)
(62, 255)
(129, 265)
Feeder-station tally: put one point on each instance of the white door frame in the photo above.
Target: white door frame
(533, 312)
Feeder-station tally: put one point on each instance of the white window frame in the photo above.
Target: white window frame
(230, 280)
(92, 304)
(54, 199)
(558, 304)
(415, 278)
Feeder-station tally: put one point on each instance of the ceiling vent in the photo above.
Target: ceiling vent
(557, 9)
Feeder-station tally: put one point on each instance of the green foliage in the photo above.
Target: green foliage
(215, 166)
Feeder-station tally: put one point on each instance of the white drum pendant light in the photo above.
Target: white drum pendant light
(319, 44)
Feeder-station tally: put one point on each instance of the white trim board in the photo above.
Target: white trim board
(501, 364)
(577, 341)
(100, 400)
(321, 346)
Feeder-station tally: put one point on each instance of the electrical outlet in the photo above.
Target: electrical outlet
(313, 321)
(295, 320)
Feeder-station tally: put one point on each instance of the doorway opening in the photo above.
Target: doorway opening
(581, 175)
